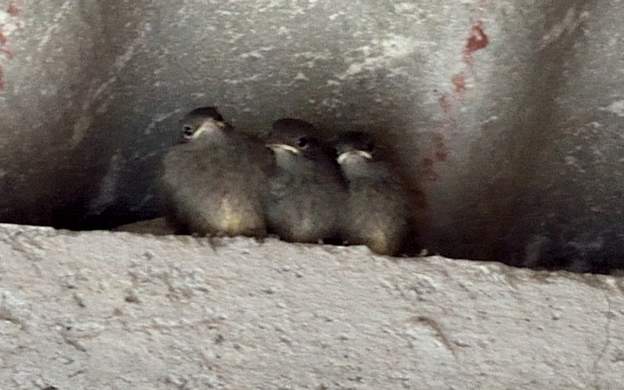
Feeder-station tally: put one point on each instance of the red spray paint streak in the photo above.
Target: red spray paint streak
(477, 40)
(4, 47)
(13, 10)
(428, 172)
(439, 153)
(439, 145)
(459, 81)
(445, 104)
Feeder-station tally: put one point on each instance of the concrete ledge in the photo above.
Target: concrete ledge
(105, 310)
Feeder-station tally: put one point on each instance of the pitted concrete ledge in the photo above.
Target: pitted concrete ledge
(102, 310)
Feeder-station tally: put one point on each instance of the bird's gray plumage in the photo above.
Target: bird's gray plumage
(306, 189)
(214, 182)
(376, 212)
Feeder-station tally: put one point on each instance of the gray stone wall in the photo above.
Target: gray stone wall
(506, 114)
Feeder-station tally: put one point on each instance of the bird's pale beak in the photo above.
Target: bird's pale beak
(342, 157)
(207, 127)
(283, 147)
(188, 135)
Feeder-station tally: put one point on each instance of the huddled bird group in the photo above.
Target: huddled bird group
(293, 184)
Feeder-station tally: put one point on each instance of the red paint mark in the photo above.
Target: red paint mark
(441, 155)
(432, 176)
(8, 52)
(13, 9)
(438, 139)
(3, 42)
(445, 104)
(441, 150)
(478, 39)
(3, 46)
(428, 172)
(459, 81)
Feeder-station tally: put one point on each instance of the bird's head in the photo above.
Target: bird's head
(202, 122)
(293, 139)
(354, 148)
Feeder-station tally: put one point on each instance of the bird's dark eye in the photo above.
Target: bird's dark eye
(188, 130)
(302, 142)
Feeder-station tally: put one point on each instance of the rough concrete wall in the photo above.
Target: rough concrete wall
(107, 310)
(506, 113)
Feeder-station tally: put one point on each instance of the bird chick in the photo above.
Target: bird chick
(213, 181)
(377, 211)
(306, 189)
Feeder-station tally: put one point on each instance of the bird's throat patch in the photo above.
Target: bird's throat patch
(230, 217)
(378, 241)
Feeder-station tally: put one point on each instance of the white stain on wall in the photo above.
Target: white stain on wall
(616, 108)
(387, 51)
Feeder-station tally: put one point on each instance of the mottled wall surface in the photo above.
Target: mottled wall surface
(505, 113)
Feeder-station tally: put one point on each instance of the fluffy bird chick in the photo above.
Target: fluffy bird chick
(306, 187)
(214, 181)
(377, 208)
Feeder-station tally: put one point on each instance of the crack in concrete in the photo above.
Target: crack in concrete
(438, 333)
(607, 327)
(24, 244)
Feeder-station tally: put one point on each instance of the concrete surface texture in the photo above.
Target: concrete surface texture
(507, 113)
(104, 310)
